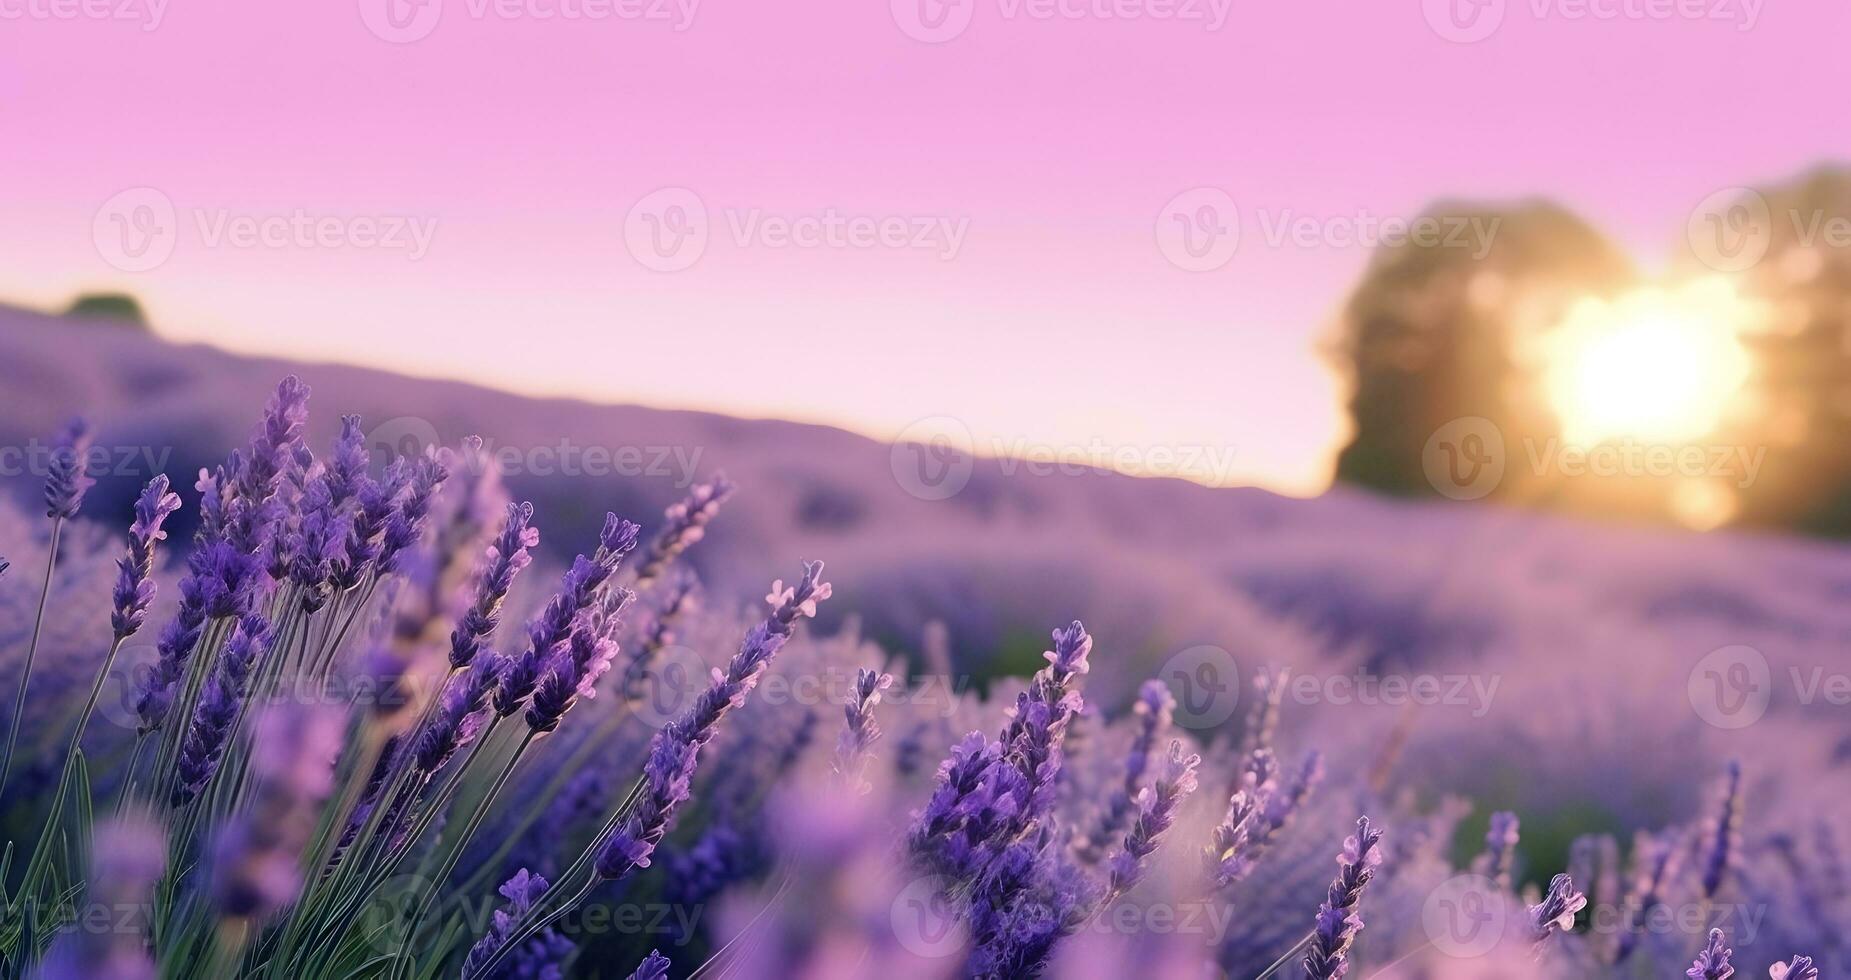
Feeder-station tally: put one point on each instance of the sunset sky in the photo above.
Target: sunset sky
(1036, 154)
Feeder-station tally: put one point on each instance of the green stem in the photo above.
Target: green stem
(41, 852)
(456, 854)
(25, 677)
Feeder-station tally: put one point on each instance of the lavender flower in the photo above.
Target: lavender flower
(1725, 837)
(679, 602)
(218, 707)
(528, 960)
(66, 472)
(1152, 714)
(1339, 919)
(686, 524)
(860, 730)
(135, 586)
(1658, 865)
(674, 752)
(1257, 813)
(654, 967)
(551, 631)
(573, 673)
(1500, 847)
(1798, 968)
(1157, 805)
(506, 557)
(257, 864)
(405, 526)
(457, 719)
(127, 858)
(377, 501)
(1032, 737)
(1555, 912)
(1712, 963)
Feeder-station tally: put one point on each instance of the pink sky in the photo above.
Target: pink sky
(1054, 143)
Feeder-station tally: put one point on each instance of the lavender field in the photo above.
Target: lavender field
(298, 693)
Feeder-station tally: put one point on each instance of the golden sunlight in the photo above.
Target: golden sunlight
(1658, 364)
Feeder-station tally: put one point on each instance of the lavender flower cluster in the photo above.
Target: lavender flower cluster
(342, 760)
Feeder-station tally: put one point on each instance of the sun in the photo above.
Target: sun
(1660, 365)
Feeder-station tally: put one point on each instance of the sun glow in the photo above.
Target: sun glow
(1661, 365)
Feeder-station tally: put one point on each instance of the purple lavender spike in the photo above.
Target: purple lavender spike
(1556, 912)
(1339, 919)
(1500, 847)
(506, 557)
(405, 526)
(457, 719)
(377, 501)
(1726, 836)
(860, 730)
(66, 472)
(1152, 714)
(1032, 738)
(315, 542)
(127, 859)
(678, 603)
(529, 960)
(574, 672)
(218, 707)
(686, 524)
(1798, 968)
(135, 588)
(654, 967)
(1712, 963)
(1157, 806)
(257, 861)
(675, 750)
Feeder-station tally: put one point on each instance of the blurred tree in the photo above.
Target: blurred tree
(1800, 398)
(1435, 332)
(120, 307)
